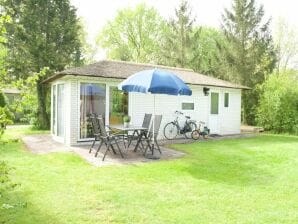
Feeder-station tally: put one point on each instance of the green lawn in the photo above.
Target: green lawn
(253, 180)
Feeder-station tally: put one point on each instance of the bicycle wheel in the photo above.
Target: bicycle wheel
(205, 136)
(191, 127)
(195, 135)
(170, 131)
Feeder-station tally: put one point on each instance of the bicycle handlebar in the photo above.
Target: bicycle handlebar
(178, 112)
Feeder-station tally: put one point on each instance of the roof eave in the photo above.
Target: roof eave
(59, 75)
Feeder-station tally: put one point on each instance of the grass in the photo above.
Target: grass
(251, 180)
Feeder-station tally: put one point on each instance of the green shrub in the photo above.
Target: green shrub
(278, 106)
(126, 118)
(2, 100)
(6, 117)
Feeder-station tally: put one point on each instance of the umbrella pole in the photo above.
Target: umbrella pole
(153, 123)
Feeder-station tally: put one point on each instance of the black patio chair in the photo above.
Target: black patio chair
(93, 119)
(109, 140)
(135, 135)
(148, 136)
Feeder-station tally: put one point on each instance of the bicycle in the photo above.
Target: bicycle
(195, 134)
(172, 129)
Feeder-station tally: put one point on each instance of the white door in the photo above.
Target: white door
(214, 113)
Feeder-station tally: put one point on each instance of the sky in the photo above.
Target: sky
(96, 13)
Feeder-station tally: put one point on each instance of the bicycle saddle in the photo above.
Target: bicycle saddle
(188, 117)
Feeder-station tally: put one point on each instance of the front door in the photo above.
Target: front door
(214, 111)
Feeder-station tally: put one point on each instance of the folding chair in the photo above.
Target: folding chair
(135, 134)
(95, 129)
(109, 140)
(148, 137)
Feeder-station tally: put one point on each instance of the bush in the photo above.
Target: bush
(2, 100)
(278, 106)
(6, 118)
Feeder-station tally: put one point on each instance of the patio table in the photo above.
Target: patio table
(141, 131)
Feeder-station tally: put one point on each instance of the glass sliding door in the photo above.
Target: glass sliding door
(118, 105)
(54, 98)
(60, 110)
(92, 100)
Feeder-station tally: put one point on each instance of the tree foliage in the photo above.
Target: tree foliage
(249, 53)
(286, 45)
(41, 34)
(179, 47)
(207, 50)
(2, 99)
(133, 35)
(278, 105)
(27, 102)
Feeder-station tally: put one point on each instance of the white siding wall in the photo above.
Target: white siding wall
(166, 105)
(229, 118)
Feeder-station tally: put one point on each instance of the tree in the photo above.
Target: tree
(41, 34)
(286, 45)
(180, 41)
(134, 35)
(207, 50)
(249, 53)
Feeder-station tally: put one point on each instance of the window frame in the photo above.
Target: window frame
(217, 111)
(193, 106)
(226, 100)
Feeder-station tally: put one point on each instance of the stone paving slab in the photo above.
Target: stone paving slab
(43, 144)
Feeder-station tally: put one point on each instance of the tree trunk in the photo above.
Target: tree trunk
(43, 121)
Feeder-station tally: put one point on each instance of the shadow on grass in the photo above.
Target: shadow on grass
(23, 210)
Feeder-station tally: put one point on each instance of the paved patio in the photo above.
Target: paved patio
(43, 143)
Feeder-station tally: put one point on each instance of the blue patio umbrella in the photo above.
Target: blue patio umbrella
(155, 81)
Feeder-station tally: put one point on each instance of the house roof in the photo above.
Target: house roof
(11, 91)
(123, 69)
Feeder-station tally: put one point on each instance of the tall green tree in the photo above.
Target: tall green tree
(133, 35)
(180, 41)
(207, 51)
(250, 52)
(42, 33)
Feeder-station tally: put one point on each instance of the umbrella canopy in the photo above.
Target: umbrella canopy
(155, 81)
(92, 90)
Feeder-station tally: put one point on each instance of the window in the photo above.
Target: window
(214, 103)
(226, 99)
(188, 106)
(92, 100)
(118, 105)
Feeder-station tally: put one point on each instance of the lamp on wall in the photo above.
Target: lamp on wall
(206, 91)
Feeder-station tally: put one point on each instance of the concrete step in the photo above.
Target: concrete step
(251, 129)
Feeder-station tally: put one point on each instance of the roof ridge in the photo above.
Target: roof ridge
(146, 64)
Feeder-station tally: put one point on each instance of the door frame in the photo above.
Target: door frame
(55, 133)
(212, 116)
